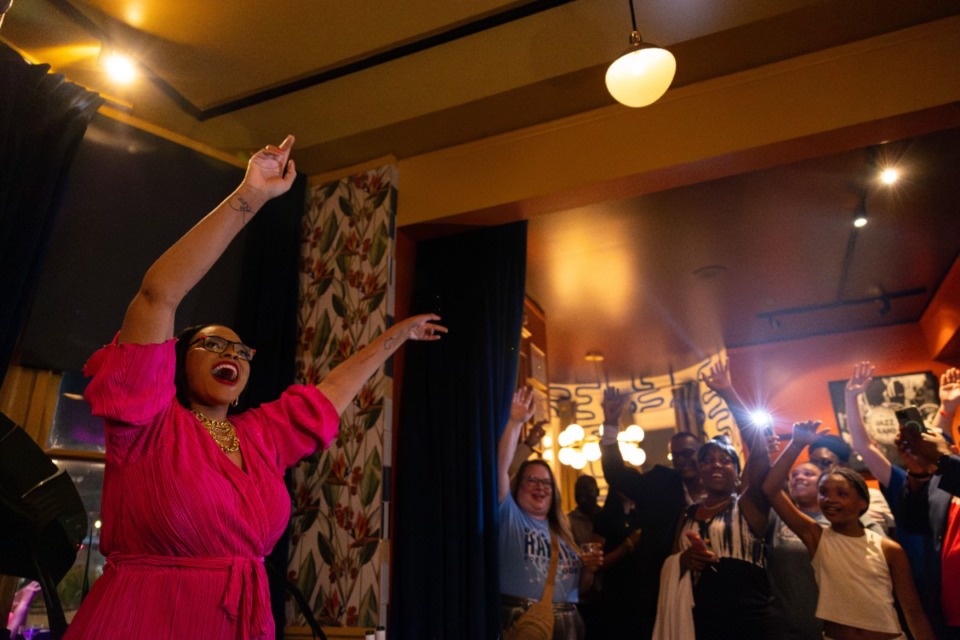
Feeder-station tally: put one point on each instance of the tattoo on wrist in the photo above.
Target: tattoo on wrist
(388, 344)
(244, 207)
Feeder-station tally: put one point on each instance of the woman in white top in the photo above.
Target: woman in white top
(858, 571)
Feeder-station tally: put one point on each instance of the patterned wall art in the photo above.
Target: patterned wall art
(346, 301)
(653, 403)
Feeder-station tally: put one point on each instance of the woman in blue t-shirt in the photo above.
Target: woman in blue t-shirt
(529, 512)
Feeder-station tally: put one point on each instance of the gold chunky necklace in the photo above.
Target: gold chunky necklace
(222, 432)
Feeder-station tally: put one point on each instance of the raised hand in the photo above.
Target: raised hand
(927, 446)
(522, 407)
(950, 390)
(862, 375)
(806, 433)
(422, 327)
(718, 378)
(270, 171)
(612, 404)
(912, 462)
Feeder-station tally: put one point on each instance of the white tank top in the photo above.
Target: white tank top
(854, 581)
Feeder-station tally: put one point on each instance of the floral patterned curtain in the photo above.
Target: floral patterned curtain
(345, 302)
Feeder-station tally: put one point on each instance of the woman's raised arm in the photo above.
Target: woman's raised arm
(521, 410)
(876, 462)
(150, 316)
(806, 528)
(344, 382)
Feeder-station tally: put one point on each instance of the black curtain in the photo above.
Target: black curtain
(267, 320)
(42, 121)
(455, 401)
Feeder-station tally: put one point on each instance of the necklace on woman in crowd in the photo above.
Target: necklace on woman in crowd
(711, 509)
(222, 432)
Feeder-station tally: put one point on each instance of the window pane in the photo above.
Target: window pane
(73, 426)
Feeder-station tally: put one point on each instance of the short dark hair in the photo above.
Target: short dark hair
(682, 435)
(834, 444)
(723, 445)
(585, 491)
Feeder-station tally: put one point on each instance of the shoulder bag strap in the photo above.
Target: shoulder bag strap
(552, 572)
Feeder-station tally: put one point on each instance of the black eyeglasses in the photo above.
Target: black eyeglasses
(534, 482)
(216, 344)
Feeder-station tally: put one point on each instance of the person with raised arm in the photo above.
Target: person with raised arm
(949, 401)
(535, 533)
(859, 572)
(194, 498)
(656, 500)
(895, 483)
(934, 509)
(720, 540)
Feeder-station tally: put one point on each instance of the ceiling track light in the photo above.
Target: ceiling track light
(643, 74)
(882, 301)
(860, 218)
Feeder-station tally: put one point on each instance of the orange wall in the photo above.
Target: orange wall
(791, 377)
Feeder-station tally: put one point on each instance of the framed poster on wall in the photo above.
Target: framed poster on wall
(878, 404)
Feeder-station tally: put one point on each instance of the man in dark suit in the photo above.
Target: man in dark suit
(659, 497)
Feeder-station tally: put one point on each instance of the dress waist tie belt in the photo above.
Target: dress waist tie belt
(246, 592)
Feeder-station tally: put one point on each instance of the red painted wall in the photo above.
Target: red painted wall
(791, 378)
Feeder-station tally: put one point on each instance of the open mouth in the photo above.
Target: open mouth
(226, 372)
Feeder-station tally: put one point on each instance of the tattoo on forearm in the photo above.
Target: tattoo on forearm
(388, 344)
(244, 207)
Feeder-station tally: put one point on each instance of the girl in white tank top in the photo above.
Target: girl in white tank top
(858, 571)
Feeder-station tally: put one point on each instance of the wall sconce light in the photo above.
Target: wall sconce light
(643, 74)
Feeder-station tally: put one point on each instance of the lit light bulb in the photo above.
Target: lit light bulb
(592, 451)
(565, 455)
(637, 457)
(579, 461)
(860, 221)
(639, 77)
(575, 431)
(547, 441)
(889, 176)
(635, 433)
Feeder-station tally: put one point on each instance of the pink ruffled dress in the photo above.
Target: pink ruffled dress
(184, 529)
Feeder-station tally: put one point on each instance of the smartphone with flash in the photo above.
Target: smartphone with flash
(910, 418)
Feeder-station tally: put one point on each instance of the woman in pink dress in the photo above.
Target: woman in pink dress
(192, 500)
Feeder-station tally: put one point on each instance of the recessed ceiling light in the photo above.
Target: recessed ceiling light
(119, 67)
